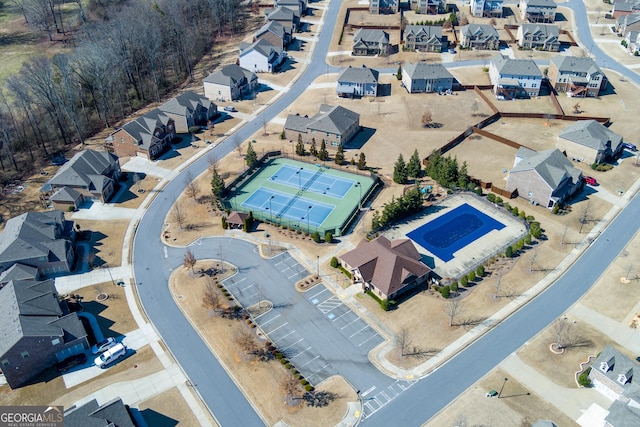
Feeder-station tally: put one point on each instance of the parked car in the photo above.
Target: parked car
(629, 146)
(58, 160)
(110, 355)
(71, 361)
(230, 108)
(492, 393)
(590, 180)
(103, 345)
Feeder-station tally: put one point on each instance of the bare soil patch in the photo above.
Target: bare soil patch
(269, 397)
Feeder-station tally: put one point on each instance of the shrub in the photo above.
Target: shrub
(387, 305)
(507, 206)
(472, 276)
(491, 197)
(499, 201)
(520, 245)
(514, 211)
(315, 236)
(445, 292)
(594, 166)
(464, 281)
(334, 262)
(480, 271)
(344, 270)
(287, 365)
(282, 136)
(535, 229)
(71, 208)
(508, 252)
(454, 286)
(530, 218)
(478, 191)
(328, 237)
(303, 381)
(283, 361)
(308, 387)
(584, 379)
(527, 239)
(485, 69)
(556, 209)
(194, 129)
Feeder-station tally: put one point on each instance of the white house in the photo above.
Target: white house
(260, 56)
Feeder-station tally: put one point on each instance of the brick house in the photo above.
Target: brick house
(625, 7)
(357, 81)
(576, 76)
(386, 268)
(147, 136)
(421, 77)
(479, 36)
(425, 38)
(590, 141)
(189, 109)
(335, 124)
(539, 37)
(36, 330)
(537, 10)
(514, 78)
(275, 33)
(546, 177)
(370, 43)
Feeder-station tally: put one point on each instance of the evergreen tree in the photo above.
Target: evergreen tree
(463, 176)
(313, 150)
(339, 157)
(400, 171)
(323, 154)
(217, 185)
(362, 162)
(251, 158)
(414, 168)
(399, 73)
(375, 221)
(300, 151)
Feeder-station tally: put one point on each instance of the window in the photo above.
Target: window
(25, 354)
(5, 363)
(55, 341)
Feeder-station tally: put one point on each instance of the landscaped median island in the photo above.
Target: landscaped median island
(277, 390)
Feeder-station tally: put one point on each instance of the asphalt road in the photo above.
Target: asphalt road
(153, 266)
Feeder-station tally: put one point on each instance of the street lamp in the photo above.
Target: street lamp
(308, 226)
(271, 210)
(502, 388)
(317, 265)
(299, 179)
(109, 271)
(360, 199)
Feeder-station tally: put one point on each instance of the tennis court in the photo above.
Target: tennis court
(279, 205)
(302, 196)
(315, 181)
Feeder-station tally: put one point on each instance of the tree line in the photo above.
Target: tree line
(133, 56)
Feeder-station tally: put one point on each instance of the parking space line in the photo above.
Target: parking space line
(289, 346)
(357, 332)
(318, 370)
(282, 338)
(302, 366)
(293, 275)
(269, 321)
(372, 336)
(315, 295)
(303, 351)
(284, 324)
(344, 314)
(354, 320)
(248, 287)
(235, 282)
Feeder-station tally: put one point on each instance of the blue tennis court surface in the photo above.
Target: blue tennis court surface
(312, 180)
(453, 231)
(278, 205)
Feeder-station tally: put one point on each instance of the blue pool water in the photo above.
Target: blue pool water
(453, 231)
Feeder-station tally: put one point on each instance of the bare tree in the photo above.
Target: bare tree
(212, 299)
(212, 160)
(189, 260)
(264, 127)
(237, 143)
(560, 331)
(427, 119)
(533, 256)
(403, 340)
(498, 285)
(178, 215)
(453, 309)
(630, 273)
(584, 214)
(245, 339)
(135, 181)
(474, 108)
(191, 189)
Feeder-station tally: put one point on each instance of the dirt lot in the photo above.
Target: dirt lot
(222, 336)
(514, 408)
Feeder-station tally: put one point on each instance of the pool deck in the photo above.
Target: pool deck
(475, 253)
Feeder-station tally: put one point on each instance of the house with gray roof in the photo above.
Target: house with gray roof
(539, 37)
(537, 10)
(189, 109)
(112, 414)
(590, 141)
(275, 33)
(384, 6)
(285, 16)
(334, 124)
(479, 36)
(632, 39)
(357, 81)
(147, 136)
(230, 83)
(19, 272)
(627, 23)
(368, 42)
(261, 56)
(612, 373)
(89, 175)
(546, 177)
(514, 78)
(387, 268)
(576, 76)
(421, 77)
(299, 6)
(625, 7)
(43, 240)
(37, 330)
(425, 38)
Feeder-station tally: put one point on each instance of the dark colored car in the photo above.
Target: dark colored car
(629, 146)
(71, 361)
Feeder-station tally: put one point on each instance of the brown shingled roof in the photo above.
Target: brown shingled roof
(386, 264)
(237, 218)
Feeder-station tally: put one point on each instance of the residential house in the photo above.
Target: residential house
(486, 8)
(19, 272)
(514, 78)
(230, 84)
(625, 411)
(299, 6)
(388, 268)
(43, 240)
(147, 136)
(633, 42)
(425, 38)
(612, 372)
(285, 16)
(539, 37)
(36, 330)
(112, 414)
(357, 81)
(625, 7)
(370, 43)
(89, 175)
(428, 7)
(546, 177)
(590, 141)
(189, 109)
(421, 77)
(628, 23)
(260, 57)
(275, 33)
(537, 10)
(384, 6)
(576, 76)
(479, 36)
(335, 124)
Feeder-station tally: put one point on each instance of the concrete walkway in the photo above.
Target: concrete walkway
(149, 167)
(621, 333)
